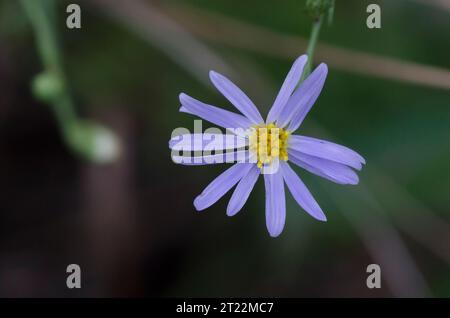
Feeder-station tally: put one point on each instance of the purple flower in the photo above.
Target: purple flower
(270, 144)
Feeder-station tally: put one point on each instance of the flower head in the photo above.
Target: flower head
(267, 147)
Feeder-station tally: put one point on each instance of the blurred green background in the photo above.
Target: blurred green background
(131, 224)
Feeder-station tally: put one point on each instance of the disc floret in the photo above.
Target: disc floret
(268, 142)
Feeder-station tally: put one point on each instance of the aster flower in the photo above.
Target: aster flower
(268, 144)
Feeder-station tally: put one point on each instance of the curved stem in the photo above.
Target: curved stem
(39, 15)
(78, 135)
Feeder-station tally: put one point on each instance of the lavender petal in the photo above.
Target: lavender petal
(327, 169)
(234, 156)
(213, 114)
(303, 98)
(326, 150)
(221, 185)
(236, 97)
(242, 191)
(291, 81)
(301, 193)
(206, 141)
(275, 203)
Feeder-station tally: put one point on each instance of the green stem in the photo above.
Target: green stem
(81, 136)
(313, 39)
(39, 14)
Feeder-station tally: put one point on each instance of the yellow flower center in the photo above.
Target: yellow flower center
(268, 142)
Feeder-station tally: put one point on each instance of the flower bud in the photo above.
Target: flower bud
(47, 86)
(94, 142)
(317, 8)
